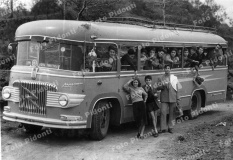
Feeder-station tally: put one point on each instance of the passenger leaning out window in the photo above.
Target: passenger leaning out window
(111, 63)
(143, 58)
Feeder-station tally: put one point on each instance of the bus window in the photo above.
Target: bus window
(173, 57)
(28, 52)
(186, 61)
(214, 57)
(62, 56)
(205, 58)
(128, 58)
(101, 57)
(154, 60)
(51, 55)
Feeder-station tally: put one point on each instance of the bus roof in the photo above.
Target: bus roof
(113, 32)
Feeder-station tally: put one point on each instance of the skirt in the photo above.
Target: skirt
(139, 112)
(152, 107)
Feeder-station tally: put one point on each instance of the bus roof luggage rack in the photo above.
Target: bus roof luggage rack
(157, 24)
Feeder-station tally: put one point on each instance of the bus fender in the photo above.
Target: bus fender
(203, 89)
(112, 97)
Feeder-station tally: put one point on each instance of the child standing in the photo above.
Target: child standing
(133, 86)
(152, 102)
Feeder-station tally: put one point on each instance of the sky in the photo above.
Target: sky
(227, 4)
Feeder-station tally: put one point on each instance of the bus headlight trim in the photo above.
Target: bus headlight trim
(6, 93)
(63, 100)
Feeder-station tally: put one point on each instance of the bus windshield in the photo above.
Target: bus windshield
(57, 55)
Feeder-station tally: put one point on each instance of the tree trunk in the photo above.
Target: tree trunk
(82, 10)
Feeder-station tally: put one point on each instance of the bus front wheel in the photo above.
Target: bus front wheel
(195, 105)
(100, 121)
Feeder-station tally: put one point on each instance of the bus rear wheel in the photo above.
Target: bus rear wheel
(195, 105)
(32, 128)
(100, 121)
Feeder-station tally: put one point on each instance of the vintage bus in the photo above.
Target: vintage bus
(59, 80)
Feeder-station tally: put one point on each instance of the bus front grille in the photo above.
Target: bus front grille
(33, 96)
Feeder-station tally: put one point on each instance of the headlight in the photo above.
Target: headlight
(6, 93)
(63, 100)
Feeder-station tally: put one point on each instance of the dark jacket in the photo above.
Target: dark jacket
(151, 91)
(194, 57)
(126, 60)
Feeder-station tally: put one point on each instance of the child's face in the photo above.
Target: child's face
(161, 53)
(220, 58)
(135, 83)
(152, 53)
(173, 53)
(112, 53)
(143, 54)
(200, 50)
(186, 53)
(205, 53)
(148, 81)
(131, 56)
(179, 52)
(192, 51)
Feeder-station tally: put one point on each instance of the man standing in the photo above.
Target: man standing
(169, 97)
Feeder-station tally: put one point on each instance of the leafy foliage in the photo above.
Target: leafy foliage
(46, 7)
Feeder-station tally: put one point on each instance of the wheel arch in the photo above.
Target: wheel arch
(203, 92)
(116, 110)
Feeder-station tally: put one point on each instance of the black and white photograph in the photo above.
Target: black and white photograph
(116, 79)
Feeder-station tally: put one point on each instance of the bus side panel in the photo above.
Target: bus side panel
(216, 84)
(100, 88)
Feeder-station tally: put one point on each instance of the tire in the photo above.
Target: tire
(32, 128)
(100, 121)
(195, 106)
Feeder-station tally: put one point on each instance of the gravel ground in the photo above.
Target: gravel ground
(192, 139)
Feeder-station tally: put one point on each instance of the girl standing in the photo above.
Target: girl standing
(133, 86)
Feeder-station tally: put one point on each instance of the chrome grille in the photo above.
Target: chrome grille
(33, 96)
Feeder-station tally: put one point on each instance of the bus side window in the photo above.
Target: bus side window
(77, 58)
(128, 58)
(173, 57)
(151, 59)
(217, 58)
(206, 57)
(101, 57)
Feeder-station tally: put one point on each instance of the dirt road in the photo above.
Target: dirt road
(192, 139)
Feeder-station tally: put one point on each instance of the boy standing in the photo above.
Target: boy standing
(152, 104)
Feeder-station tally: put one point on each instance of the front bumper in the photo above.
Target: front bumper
(45, 122)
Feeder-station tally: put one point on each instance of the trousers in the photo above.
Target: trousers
(163, 117)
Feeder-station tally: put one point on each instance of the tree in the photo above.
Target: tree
(88, 9)
(47, 8)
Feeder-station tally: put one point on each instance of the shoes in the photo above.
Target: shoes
(170, 130)
(139, 137)
(156, 134)
(163, 131)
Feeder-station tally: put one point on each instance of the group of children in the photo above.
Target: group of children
(194, 57)
(156, 61)
(144, 99)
